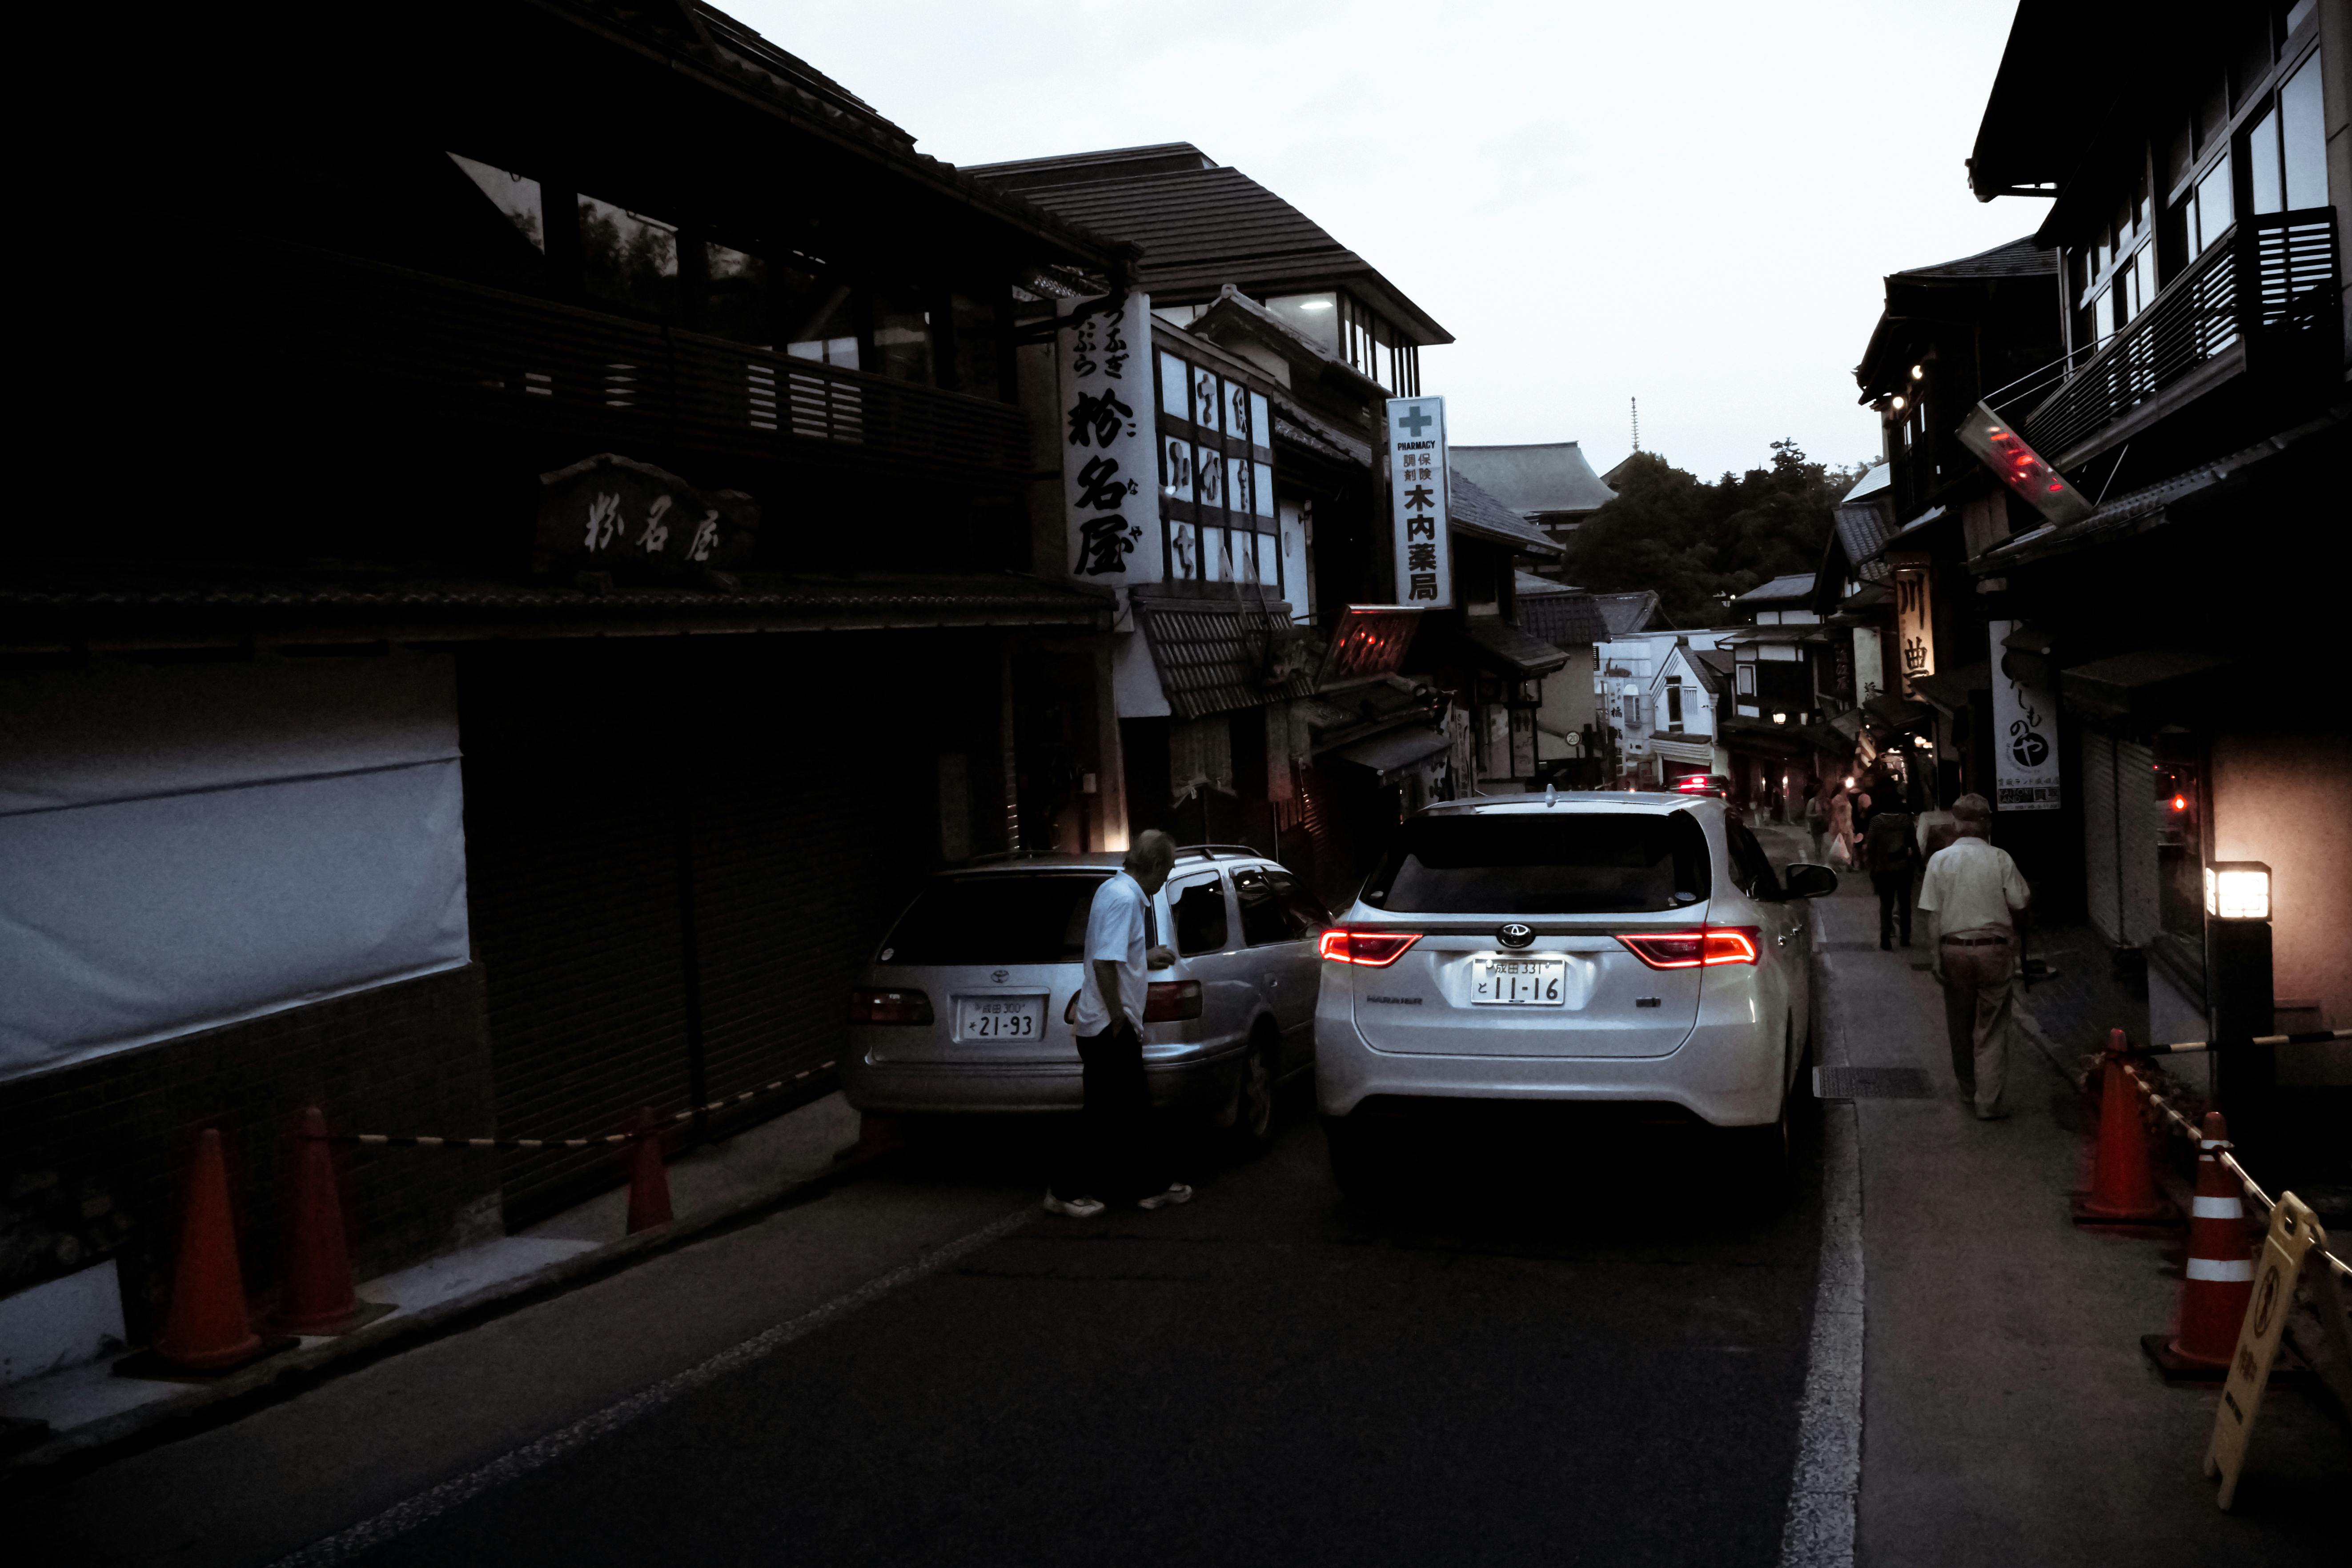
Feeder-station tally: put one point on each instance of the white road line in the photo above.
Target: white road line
(1826, 1484)
(430, 1504)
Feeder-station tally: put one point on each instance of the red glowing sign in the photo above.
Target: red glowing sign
(1371, 639)
(2019, 467)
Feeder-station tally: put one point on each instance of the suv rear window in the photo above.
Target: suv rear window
(1520, 864)
(1000, 919)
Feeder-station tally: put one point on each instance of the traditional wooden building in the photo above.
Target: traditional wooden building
(2203, 182)
(582, 583)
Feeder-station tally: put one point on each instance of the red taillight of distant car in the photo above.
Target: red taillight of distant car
(868, 1004)
(1167, 1001)
(1374, 949)
(1695, 949)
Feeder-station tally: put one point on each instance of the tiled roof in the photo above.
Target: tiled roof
(1199, 228)
(2017, 258)
(1794, 587)
(1473, 511)
(1564, 619)
(1626, 613)
(1550, 476)
(1514, 649)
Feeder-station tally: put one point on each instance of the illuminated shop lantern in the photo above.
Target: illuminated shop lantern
(2020, 467)
(2238, 890)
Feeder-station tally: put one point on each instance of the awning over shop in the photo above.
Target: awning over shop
(1897, 713)
(1395, 750)
(1216, 655)
(1683, 748)
(1514, 649)
(2152, 683)
(1948, 689)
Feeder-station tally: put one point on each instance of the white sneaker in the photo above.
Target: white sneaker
(1177, 1193)
(1076, 1208)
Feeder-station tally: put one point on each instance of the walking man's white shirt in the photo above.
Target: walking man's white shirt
(1972, 892)
(1970, 885)
(1116, 930)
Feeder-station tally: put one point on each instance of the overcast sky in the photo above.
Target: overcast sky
(1690, 204)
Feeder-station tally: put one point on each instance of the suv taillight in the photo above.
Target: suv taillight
(870, 1006)
(1375, 949)
(1166, 1001)
(1695, 949)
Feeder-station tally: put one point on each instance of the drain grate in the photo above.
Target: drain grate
(1871, 1083)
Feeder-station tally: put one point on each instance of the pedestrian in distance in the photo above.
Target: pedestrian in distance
(1890, 854)
(1972, 893)
(1817, 817)
(1117, 1152)
(1841, 828)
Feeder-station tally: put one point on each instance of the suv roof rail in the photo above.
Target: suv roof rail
(1210, 851)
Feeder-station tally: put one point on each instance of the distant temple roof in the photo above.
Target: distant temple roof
(1544, 477)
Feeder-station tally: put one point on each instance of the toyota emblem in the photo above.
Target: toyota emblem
(1000, 975)
(1516, 935)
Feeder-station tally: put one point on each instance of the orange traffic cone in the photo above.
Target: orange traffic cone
(648, 1178)
(206, 1329)
(2219, 1277)
(2123, 1190)
(316, 1295)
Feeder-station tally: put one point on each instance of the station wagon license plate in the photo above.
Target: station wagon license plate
(1000, 1017)
(1518, 982)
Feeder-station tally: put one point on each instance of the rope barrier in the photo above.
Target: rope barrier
(2254, 1189)
(609, 1140)
(2303, 1037)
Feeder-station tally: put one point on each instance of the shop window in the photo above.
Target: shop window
(2303, 142)
(515, 195)
(814, 315)
(735, 295)
(902, 336)
(627, 261)
(2215, 209)
(1673, 705)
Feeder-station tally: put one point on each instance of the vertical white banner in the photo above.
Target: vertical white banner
(2025, 739)
(1110, 435)
(1417, 498)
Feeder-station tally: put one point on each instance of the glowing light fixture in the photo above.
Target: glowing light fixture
(2020, 467)
(1849, 781)
(1918, 370)
(1898, 404)
(1780, 718)
(2238, 890)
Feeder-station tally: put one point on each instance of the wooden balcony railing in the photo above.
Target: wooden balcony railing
(2266, 291)
(276, 319)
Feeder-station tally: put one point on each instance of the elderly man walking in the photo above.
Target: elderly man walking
(1971, 894)
(1117, 1152)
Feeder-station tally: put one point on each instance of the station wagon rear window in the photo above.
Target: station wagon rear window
(1006, 918)
(1522, 864)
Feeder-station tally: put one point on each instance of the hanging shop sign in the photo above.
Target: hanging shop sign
(2020, 467)
(2025, 740)
(613, 514)
(1417, 502)
(1915, 621)
(1108, 446)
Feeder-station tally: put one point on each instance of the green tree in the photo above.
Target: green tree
(1695, 541)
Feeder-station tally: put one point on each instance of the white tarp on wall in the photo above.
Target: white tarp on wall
(185, 845)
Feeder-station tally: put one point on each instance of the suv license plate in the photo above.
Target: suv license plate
(1000, 1017)
(1518, 982)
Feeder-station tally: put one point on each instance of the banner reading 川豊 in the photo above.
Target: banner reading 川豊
(1417, 496)
(2025, 739)
(1110, 447)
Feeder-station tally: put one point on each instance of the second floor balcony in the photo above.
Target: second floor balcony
(273, 322)
(2262, 301)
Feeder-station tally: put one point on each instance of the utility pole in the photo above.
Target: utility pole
(1637, 423)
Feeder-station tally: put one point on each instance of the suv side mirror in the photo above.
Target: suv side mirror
(1809, 881)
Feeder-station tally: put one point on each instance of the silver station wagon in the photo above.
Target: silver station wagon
(967, 1005)
(1630, 949)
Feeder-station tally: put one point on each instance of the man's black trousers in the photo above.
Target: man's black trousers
(1116, 1152)
(1894, 904)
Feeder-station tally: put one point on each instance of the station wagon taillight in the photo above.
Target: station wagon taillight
(868, 1004)
(1166, 1001)
(1375, 949)
(1694, 949)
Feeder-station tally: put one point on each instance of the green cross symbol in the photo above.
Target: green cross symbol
(1416, 422)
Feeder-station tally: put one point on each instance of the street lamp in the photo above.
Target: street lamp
(2238, 994)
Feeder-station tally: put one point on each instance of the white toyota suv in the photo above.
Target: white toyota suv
(1612, 947)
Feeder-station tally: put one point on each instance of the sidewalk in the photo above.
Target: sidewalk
(87, 1408)
(2009, 1415)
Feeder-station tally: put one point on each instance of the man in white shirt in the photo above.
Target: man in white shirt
(1118, 1152)
(1970, 895)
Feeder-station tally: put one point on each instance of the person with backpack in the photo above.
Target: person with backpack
(1817, 817)
(1890, 853)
